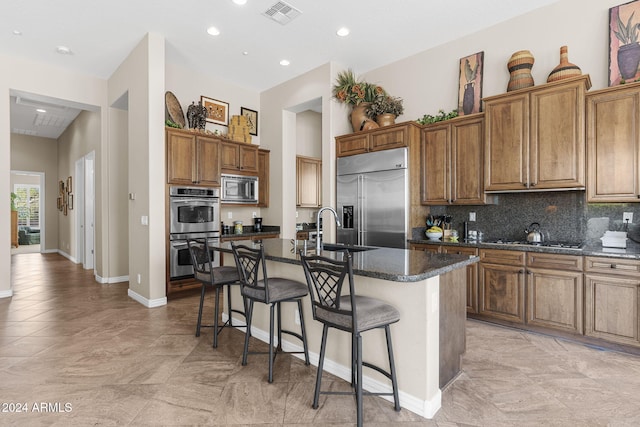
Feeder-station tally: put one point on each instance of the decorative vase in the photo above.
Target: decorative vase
(565, 69)
(468, 98)
(358, 115)
(628, 60)
(519, 66)
(386, 119)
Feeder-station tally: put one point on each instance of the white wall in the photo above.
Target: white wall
(141, 75)
(428, 81)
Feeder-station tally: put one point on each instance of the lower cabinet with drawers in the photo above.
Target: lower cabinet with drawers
(593, 299)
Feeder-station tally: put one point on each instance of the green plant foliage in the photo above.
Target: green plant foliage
(169, 123)
(352, 91)
(14, 196)
(427, 118)
(385, 104)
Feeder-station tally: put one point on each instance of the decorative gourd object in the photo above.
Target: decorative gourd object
(519, 66)
(565, 69)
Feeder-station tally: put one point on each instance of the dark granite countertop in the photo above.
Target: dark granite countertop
(398, 265)
(590, 249)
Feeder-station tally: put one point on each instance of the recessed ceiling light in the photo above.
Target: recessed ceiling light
(284, 62)
(240, 2)
(343, 32)
(63, 50)
(17, 32)
(41, 110)
(213, 31)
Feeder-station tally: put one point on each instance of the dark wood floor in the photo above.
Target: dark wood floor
(93, 356)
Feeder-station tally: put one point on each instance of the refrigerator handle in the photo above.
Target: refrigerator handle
(361, 225)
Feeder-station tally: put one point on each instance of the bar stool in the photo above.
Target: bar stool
(216, 277)
(272, 291)
(351, 313)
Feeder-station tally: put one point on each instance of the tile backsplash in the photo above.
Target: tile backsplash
(562, 215)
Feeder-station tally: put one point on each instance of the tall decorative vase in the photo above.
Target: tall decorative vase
(358, 116)
(520, 65)
(468, 98)
(385, 119)
(628, 60)
(565, 69)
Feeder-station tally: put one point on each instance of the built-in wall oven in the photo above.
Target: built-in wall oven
(194, 213)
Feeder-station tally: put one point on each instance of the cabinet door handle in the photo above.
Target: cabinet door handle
(612, 266)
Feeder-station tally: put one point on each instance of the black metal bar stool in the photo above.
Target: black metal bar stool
(272, 291)
(351, 313)
(216, 277)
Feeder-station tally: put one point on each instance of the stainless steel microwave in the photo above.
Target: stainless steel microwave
(239, 189)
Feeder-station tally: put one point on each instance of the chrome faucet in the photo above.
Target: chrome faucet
(318, 235)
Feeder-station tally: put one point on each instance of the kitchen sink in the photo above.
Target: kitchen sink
(348, 248)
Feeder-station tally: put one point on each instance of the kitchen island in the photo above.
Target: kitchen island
(427, 289)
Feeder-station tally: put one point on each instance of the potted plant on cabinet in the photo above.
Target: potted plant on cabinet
(359, 94)
(384, 109)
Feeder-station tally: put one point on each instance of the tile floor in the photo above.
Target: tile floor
(75, 352)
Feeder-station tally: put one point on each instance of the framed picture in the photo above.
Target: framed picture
(69, 187)
(217, 111)
(70, 201)
(624, 49)
(470, 84)
(61, 187)
(59, 203)
(252, 120)
(64, 210)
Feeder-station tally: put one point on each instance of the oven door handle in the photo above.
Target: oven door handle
(189, 201)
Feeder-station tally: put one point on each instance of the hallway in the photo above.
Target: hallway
(95, 356)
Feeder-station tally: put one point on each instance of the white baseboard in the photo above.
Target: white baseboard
(149, 303)
(49, 251)
(424, 408)
(110, 280)
(6, 294)
(67, 256)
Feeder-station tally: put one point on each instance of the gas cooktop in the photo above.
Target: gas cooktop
(549, 244)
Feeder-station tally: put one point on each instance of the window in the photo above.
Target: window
(28, 204)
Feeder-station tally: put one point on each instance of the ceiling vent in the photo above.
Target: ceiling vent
(24, 132)
(282, 13)
(50, 120)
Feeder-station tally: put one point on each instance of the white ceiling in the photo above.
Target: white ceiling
(102, 34)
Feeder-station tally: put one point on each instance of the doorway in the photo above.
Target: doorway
(85, 214)
(29, 202)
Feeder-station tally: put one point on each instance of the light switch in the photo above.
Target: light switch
(144, 220)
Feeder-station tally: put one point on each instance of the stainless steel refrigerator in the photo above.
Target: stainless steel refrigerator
(373, 198)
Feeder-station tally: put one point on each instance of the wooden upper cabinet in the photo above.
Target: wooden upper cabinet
(238, 157)
(613, 144)
(535, 138)
(263, 178)
(452, 162)
(384, 138)
(192, 158)
(309, 181)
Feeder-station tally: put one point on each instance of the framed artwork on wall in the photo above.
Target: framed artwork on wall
(252, 120)
(624, 49)
(69, 185)
(217, 111)
(70, 201)
(470, 84)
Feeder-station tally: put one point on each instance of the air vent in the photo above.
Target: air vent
(24, 132)
(50, 120)
(282, 13)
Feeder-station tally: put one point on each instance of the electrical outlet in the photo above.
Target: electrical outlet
(472, 216)
(139, 278)
(296, 214)
(627, 217)
(311, 215)
(254, 215)
(297, 319)
(230, 215)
